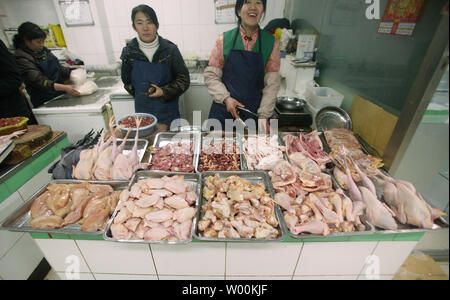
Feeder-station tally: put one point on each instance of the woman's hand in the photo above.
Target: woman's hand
(155, 92)
(231, 104)
(69, 89)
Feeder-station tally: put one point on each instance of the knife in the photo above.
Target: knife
(247, 111)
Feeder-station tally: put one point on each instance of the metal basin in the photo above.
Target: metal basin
(290, 104)
(332, 117)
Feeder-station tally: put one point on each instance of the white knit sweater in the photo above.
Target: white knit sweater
(149, 49)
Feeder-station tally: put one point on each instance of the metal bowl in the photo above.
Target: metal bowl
(332, 117)
(143, 131)
(290, 104)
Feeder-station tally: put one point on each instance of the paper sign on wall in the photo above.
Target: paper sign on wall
(76, 12)
(401, 16)
(224, 11)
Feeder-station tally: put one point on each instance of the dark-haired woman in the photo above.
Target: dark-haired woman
(153, 69)
(244, 68)
(41, 71)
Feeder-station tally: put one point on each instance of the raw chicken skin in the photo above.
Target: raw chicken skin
(376, 213)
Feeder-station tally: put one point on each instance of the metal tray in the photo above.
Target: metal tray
(194, 183)
(164, 138)
(208, 137)
(19, 220)
(255, 177)
(370, 229)
(329, 166)
(242, 144)
(439, 224)
(141, 147)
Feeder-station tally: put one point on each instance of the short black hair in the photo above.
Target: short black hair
(148, 11)
(29, 31)
(240, 3)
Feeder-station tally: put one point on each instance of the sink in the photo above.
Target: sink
(197, 78)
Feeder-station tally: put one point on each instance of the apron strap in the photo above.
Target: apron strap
(259, 39)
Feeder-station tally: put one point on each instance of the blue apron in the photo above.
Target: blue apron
(50, 68)
(143, 75)
(243, 76)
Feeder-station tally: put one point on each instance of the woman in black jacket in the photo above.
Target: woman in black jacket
(12, 101)
(43, 75)
(153, 69)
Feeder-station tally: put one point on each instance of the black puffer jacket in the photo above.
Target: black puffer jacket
(167, 53)
(12, 101)
(31, 74)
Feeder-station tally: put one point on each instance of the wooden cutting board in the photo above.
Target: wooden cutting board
(36, 136)
(372, 123)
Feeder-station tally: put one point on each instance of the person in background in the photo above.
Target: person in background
(153, 70)
(41, 71)
(244, 68)
(12, 101)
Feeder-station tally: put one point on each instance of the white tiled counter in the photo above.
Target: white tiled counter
(19, 255)
(96, 259)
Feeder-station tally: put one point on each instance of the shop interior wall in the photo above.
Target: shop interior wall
(188, 23)
(355, 59)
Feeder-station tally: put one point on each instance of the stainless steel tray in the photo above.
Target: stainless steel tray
(255, 177)
(141, 147)
(439, 224)
(370, 229)
(164, 138)
(216, 137)
(242, 145)
(194, 183)
(19, 220)
(329, 166)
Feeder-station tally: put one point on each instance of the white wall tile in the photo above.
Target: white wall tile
(206, 12)
(99, 276)
(191, 38)
(173, 12)
(184, 277)
(333, 258)
(378, 277)
(346, 277)
(115, 258)
(388, 257)
(259, 278)
(258, 259)
(191, 259)
(79, 276)
(7, 207)
(20, 262)
(191, 13)
(174, 33)
(62, 255)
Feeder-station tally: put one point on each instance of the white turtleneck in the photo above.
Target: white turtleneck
(149, 49)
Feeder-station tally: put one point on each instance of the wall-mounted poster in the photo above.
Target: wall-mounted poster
(76, 12)
(224, 11)
(401, 16)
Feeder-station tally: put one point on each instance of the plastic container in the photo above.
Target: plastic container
(143, 131)
(321, 97)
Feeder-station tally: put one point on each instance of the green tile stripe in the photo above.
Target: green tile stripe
(4, 192)
(11, 185)
(409, 237)
(436, 113)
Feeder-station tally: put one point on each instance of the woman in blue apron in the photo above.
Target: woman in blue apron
(244, 69)
(41, 71)
(153, 70)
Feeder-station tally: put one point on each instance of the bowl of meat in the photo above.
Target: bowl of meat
(147, 124)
